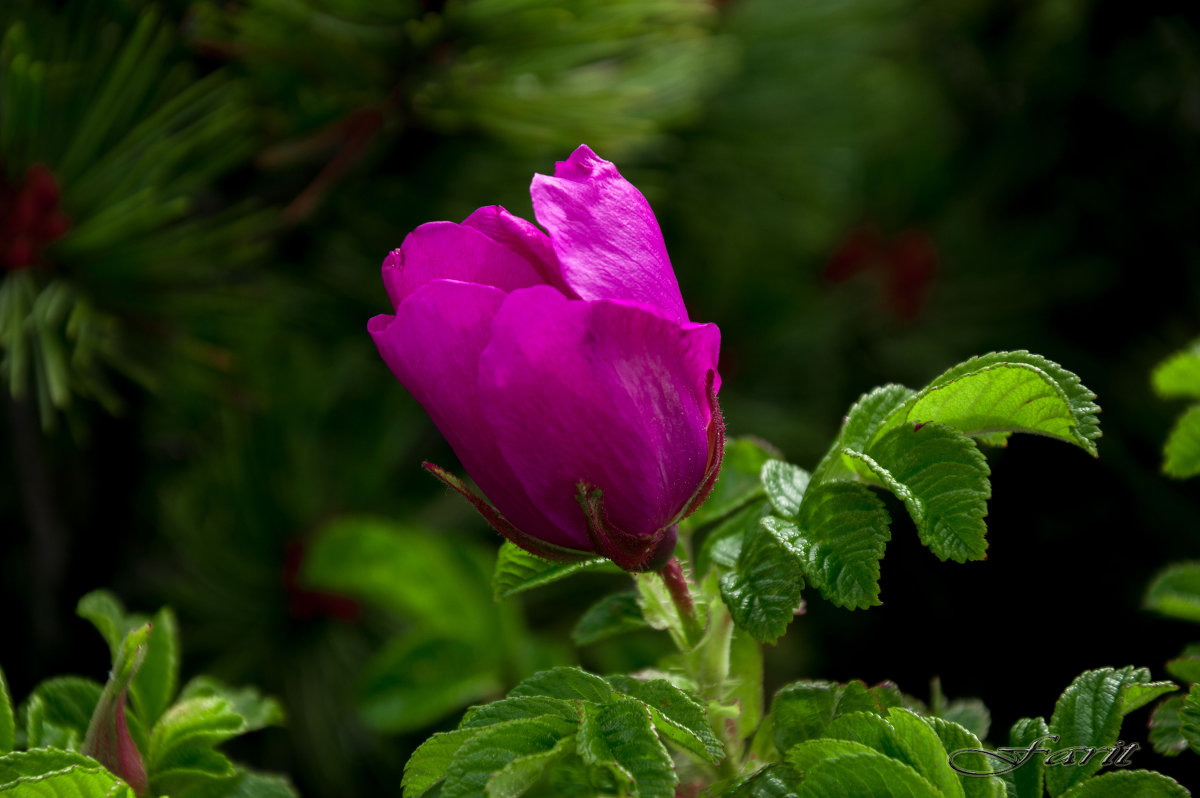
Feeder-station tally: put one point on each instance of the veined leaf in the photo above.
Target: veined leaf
(566, 683)
(430, 762)
(1166, 728)
(1088, 715)
(620, 737)
(843, 531)
(256, 710)
(58, 711)
(1135, 696)
(489, 751)
(52, 773)
(1178, 377)
(955, 737)
(1181, 452)
(1175, 592)
(516, 709)
(610, 616)
(773, 781)
(1129, 784)
(802, 710)
(784, 484)
(677, 716)
(942, 478)
(870, 414)
(1189, 718)
(182, 743)
(8, 721)
(523, 772)
(762, 592)
(1028, 779)
(865, 775)
(517, 570)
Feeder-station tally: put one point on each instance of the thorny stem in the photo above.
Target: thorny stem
(681, 596)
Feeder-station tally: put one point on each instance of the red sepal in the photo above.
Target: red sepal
(630, 552)
(716, 449)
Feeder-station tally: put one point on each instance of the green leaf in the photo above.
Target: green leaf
(1028, 779)
(154, 684)
(739, 482)
(256, 710)
(904, 737)
(1181, 452)
(1189, 718)
(1009, 392)
(1129, 784)
(1175, 592)
(418, 679)
(182, 743)
(490, 750)
(802, 710)
(660, 611)
(246, 784)
(763, 591)
(58, 711)
(1135, 696)
(955, 737)
(1088, 715)
(610, 616)
(865, 775)
(773, 781)
(51, 773)
(746, 682)
(517, 708)
(107, 614)
(723, 544)
(808, 754)
(1186, 667)
(869, 415)
(429, 763)
(566, 683)
(1178, 377)
(942, 478)
(523, 772)
(677, 716)
(620, 737)
(1166, 728)
(8, 721)
(517, 570)
(843, 534)
(784, 484)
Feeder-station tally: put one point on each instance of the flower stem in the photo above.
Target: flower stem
(681, 595)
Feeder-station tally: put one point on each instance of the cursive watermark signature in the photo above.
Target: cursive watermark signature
(1010, 759)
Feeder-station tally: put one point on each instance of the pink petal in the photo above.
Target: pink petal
(604, 392)
(448, 251)
(605, 235)
(432, 345)
(523, 238)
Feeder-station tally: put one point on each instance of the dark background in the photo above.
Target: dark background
(856, 192)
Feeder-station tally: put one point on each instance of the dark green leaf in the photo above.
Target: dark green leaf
(429, 763)
(1189, 718)
(523, 772)
(517, 570)
(971, 714)
(1186, 667)
(1175, 591)
(58, 711)
(566, 683)
(677, 715)
(51, 773)
(1166, 728)
(1129, 784)
(1088, 715)
(1181, 452)
(843, 534)
(8, 721)
(620, 737)
(942, 478)
(1010, 391)
(1178, 377)
(802, 710)
(490, 750)
(784, 484)
(723, 544)
(610, 616)
(773, 781)
(739, 482)
(417, 679)
(763, 591)
(1028, 779)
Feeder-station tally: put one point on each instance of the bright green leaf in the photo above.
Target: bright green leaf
(746, 683)
(1135, 696)
(660, 611)
(517, 570)
(610, 616)
(58, 711)
(773, 781)
(1181, 452)
(182, 743)
(523, 772)
(1088, 715)
(843, 534)
(516, 709)
(869, 414)
(677, 715)
(917, 743)
(51, 773)
(429, 763)
(955, 737)
(763, 591)
(620, 737)
(1186, 667)
(493, 748)
(808, 754)
(8, 721)
(256, 710)
(107, 614)
(942, 478)
(1178, 377)
(566, 683)
(784, 484)
(1129, 784)
(155, 683)
(865, 775)
(1175, 592)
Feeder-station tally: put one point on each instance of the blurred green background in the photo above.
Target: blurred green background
(855, 191)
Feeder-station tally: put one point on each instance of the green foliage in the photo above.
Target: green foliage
(762, 590)
(8, 721)
(517, 570)
(610, 616)
(51, 773)
(1178, 377)
(1175, 592)
(1129, 784)
(567, 724)
(58, 710)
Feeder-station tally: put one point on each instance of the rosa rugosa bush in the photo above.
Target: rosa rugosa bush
(562, 368)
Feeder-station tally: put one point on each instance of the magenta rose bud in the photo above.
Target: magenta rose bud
(562, 368)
